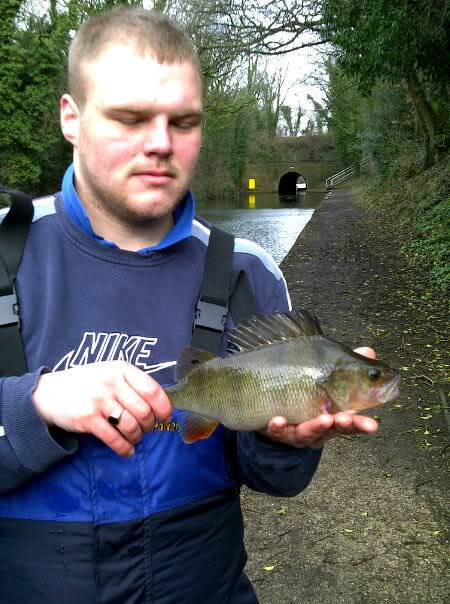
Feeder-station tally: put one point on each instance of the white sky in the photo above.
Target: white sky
(299, 66)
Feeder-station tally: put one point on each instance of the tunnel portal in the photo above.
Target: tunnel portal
(291, 182)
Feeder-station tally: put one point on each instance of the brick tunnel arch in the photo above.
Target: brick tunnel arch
(288, 182)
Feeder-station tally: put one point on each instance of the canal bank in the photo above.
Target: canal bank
(371, 527)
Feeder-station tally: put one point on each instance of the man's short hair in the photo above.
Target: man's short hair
(148, 32)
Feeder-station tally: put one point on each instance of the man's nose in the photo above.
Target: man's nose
(157, 137)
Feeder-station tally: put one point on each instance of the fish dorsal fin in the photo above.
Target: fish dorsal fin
(263, 330)
(190, 359)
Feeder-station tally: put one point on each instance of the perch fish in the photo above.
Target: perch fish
(279, 365)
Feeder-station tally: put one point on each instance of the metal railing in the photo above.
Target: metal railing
(345, 174)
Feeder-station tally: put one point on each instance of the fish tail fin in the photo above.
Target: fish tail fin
(196, 427)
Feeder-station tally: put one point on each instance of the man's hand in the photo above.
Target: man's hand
(81, 400)
(316, 432)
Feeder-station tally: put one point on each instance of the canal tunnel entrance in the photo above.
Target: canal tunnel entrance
(291, 182)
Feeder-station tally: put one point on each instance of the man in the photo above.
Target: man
(95, 505)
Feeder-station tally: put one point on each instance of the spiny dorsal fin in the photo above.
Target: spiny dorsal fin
(190, 359)
(267, 329)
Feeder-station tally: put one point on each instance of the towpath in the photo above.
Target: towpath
(372, 526)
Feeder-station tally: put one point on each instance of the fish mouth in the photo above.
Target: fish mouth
(390, 391)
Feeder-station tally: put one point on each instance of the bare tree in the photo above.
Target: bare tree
(265, 27)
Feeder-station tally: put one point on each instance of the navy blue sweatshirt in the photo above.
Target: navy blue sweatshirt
(137, 529)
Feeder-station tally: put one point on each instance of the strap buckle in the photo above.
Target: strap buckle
(9, 310)
(210, 316)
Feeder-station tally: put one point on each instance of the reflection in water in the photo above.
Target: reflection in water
(272, 221)
(303, 199)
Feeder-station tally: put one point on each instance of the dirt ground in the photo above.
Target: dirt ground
(373, 525)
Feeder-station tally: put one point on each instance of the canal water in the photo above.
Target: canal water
(271, 220)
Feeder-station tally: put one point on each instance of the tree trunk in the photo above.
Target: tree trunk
(428, 119)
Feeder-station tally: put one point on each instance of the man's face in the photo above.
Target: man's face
(137, 137)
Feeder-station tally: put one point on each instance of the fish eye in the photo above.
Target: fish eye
(374, 373)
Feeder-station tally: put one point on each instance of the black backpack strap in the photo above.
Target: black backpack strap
(13, 235)
(222, 289)
(212, 307)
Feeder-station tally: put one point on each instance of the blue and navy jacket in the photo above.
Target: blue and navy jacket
(78, 523)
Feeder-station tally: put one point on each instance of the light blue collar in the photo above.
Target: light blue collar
(183, 216)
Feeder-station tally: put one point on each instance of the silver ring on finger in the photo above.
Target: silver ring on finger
(114, 418)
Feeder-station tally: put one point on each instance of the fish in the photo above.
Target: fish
(277, 365)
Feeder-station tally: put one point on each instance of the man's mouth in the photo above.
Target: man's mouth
(154, 177)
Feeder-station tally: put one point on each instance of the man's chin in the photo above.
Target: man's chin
(151, 207)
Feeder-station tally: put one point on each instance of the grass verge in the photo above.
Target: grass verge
(418, 204)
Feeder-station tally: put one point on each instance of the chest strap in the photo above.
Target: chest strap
(13, 235)
(222, 290)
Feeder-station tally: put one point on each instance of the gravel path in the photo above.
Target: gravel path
(373, 525)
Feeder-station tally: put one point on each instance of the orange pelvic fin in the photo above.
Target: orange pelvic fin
(195, 427)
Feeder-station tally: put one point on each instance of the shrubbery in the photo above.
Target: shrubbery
(418, 202)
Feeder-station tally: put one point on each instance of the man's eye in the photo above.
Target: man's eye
(129, 121)
(183, 125)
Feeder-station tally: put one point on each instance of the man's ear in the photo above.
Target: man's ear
(70, 119)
